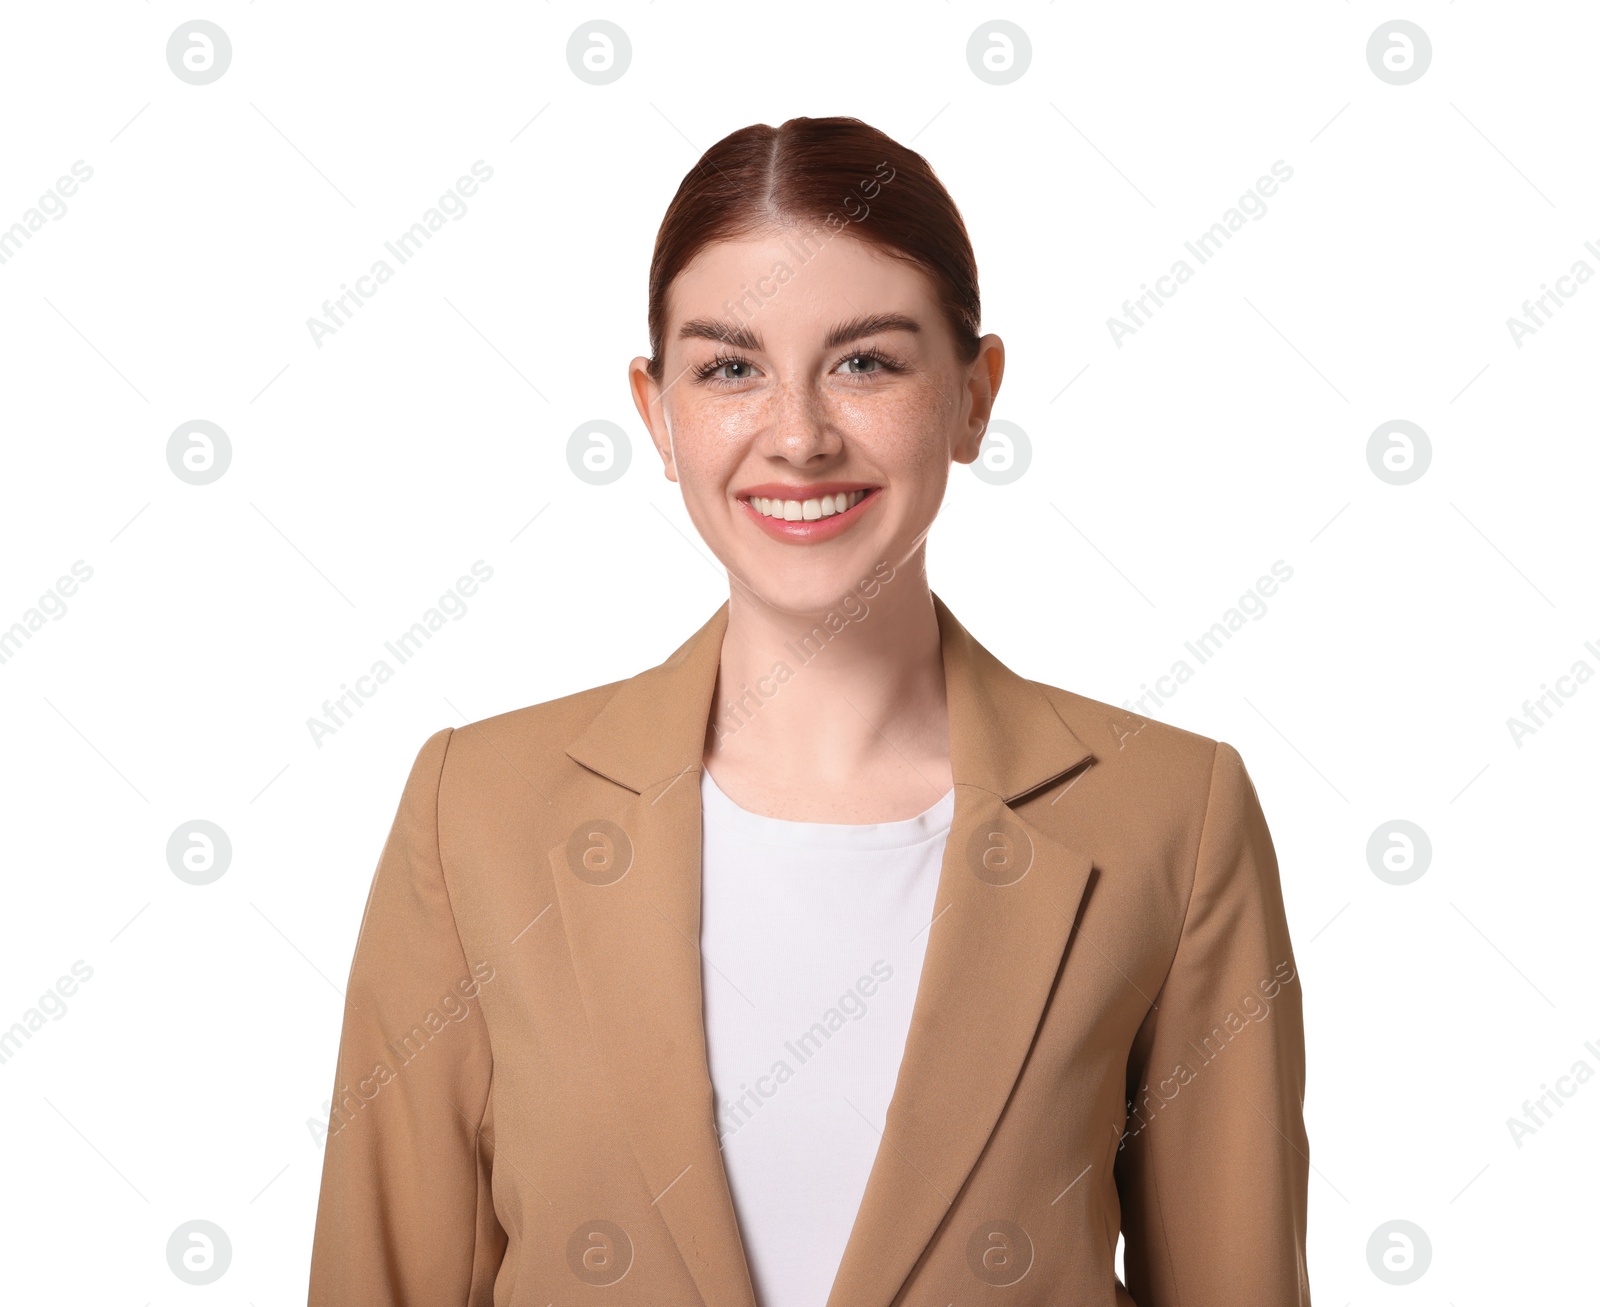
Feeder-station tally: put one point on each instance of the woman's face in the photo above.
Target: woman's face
(788, 384)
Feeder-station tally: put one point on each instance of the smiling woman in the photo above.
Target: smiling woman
(829, 777)
(862, 376)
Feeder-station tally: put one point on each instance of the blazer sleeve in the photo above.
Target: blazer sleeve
(404, 1216)
(1213, 1167)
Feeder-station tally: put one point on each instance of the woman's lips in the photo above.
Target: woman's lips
(814, 531)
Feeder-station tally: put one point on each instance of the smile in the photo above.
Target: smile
(807, 510)
(809, 520)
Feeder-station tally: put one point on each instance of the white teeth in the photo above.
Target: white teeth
(808, 510)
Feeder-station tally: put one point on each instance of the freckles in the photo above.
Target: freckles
(908, 422)
(736, 422)
(712, 425)
(709, 440)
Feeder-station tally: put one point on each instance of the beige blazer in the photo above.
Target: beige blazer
(1106, 1035)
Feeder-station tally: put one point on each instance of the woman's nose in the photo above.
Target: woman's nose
(798, 425)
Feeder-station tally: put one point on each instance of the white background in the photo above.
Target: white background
(1167, 474)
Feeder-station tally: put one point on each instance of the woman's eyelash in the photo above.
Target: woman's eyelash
(885, 362)
(704, 371)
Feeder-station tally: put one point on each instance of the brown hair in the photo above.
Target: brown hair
(838, 172)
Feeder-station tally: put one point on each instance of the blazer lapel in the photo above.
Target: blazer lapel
(628, 882)
(1007, 900)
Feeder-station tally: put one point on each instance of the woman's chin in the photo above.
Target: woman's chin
(810, 585)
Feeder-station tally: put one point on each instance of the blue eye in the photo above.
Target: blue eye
(708, 371)
(881, 363)
(877, 361)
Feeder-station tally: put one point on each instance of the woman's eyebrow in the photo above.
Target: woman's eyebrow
(869, 324)
(741, 337)
(726, 333)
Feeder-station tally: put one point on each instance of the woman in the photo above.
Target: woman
(829, 961)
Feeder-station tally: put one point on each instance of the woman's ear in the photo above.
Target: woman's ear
(647, 399)
(982, 386)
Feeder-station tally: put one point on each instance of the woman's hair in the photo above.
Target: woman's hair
(827, 177)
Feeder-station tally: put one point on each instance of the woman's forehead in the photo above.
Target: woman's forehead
(774, 278)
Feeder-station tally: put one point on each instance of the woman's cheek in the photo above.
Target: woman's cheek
(904, 425)
(926, 422)
(703, 442)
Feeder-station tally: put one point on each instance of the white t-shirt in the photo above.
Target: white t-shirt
(812, 938)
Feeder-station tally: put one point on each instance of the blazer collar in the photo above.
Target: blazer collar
(1004, 735)
(628, 883)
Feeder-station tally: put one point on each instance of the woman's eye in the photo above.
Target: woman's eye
(715, 371)
(728, 371)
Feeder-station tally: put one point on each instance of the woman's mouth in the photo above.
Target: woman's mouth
(820, 517)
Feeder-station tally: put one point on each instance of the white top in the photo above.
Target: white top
(812, 937)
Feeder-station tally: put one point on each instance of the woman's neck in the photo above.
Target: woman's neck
(837, 715)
